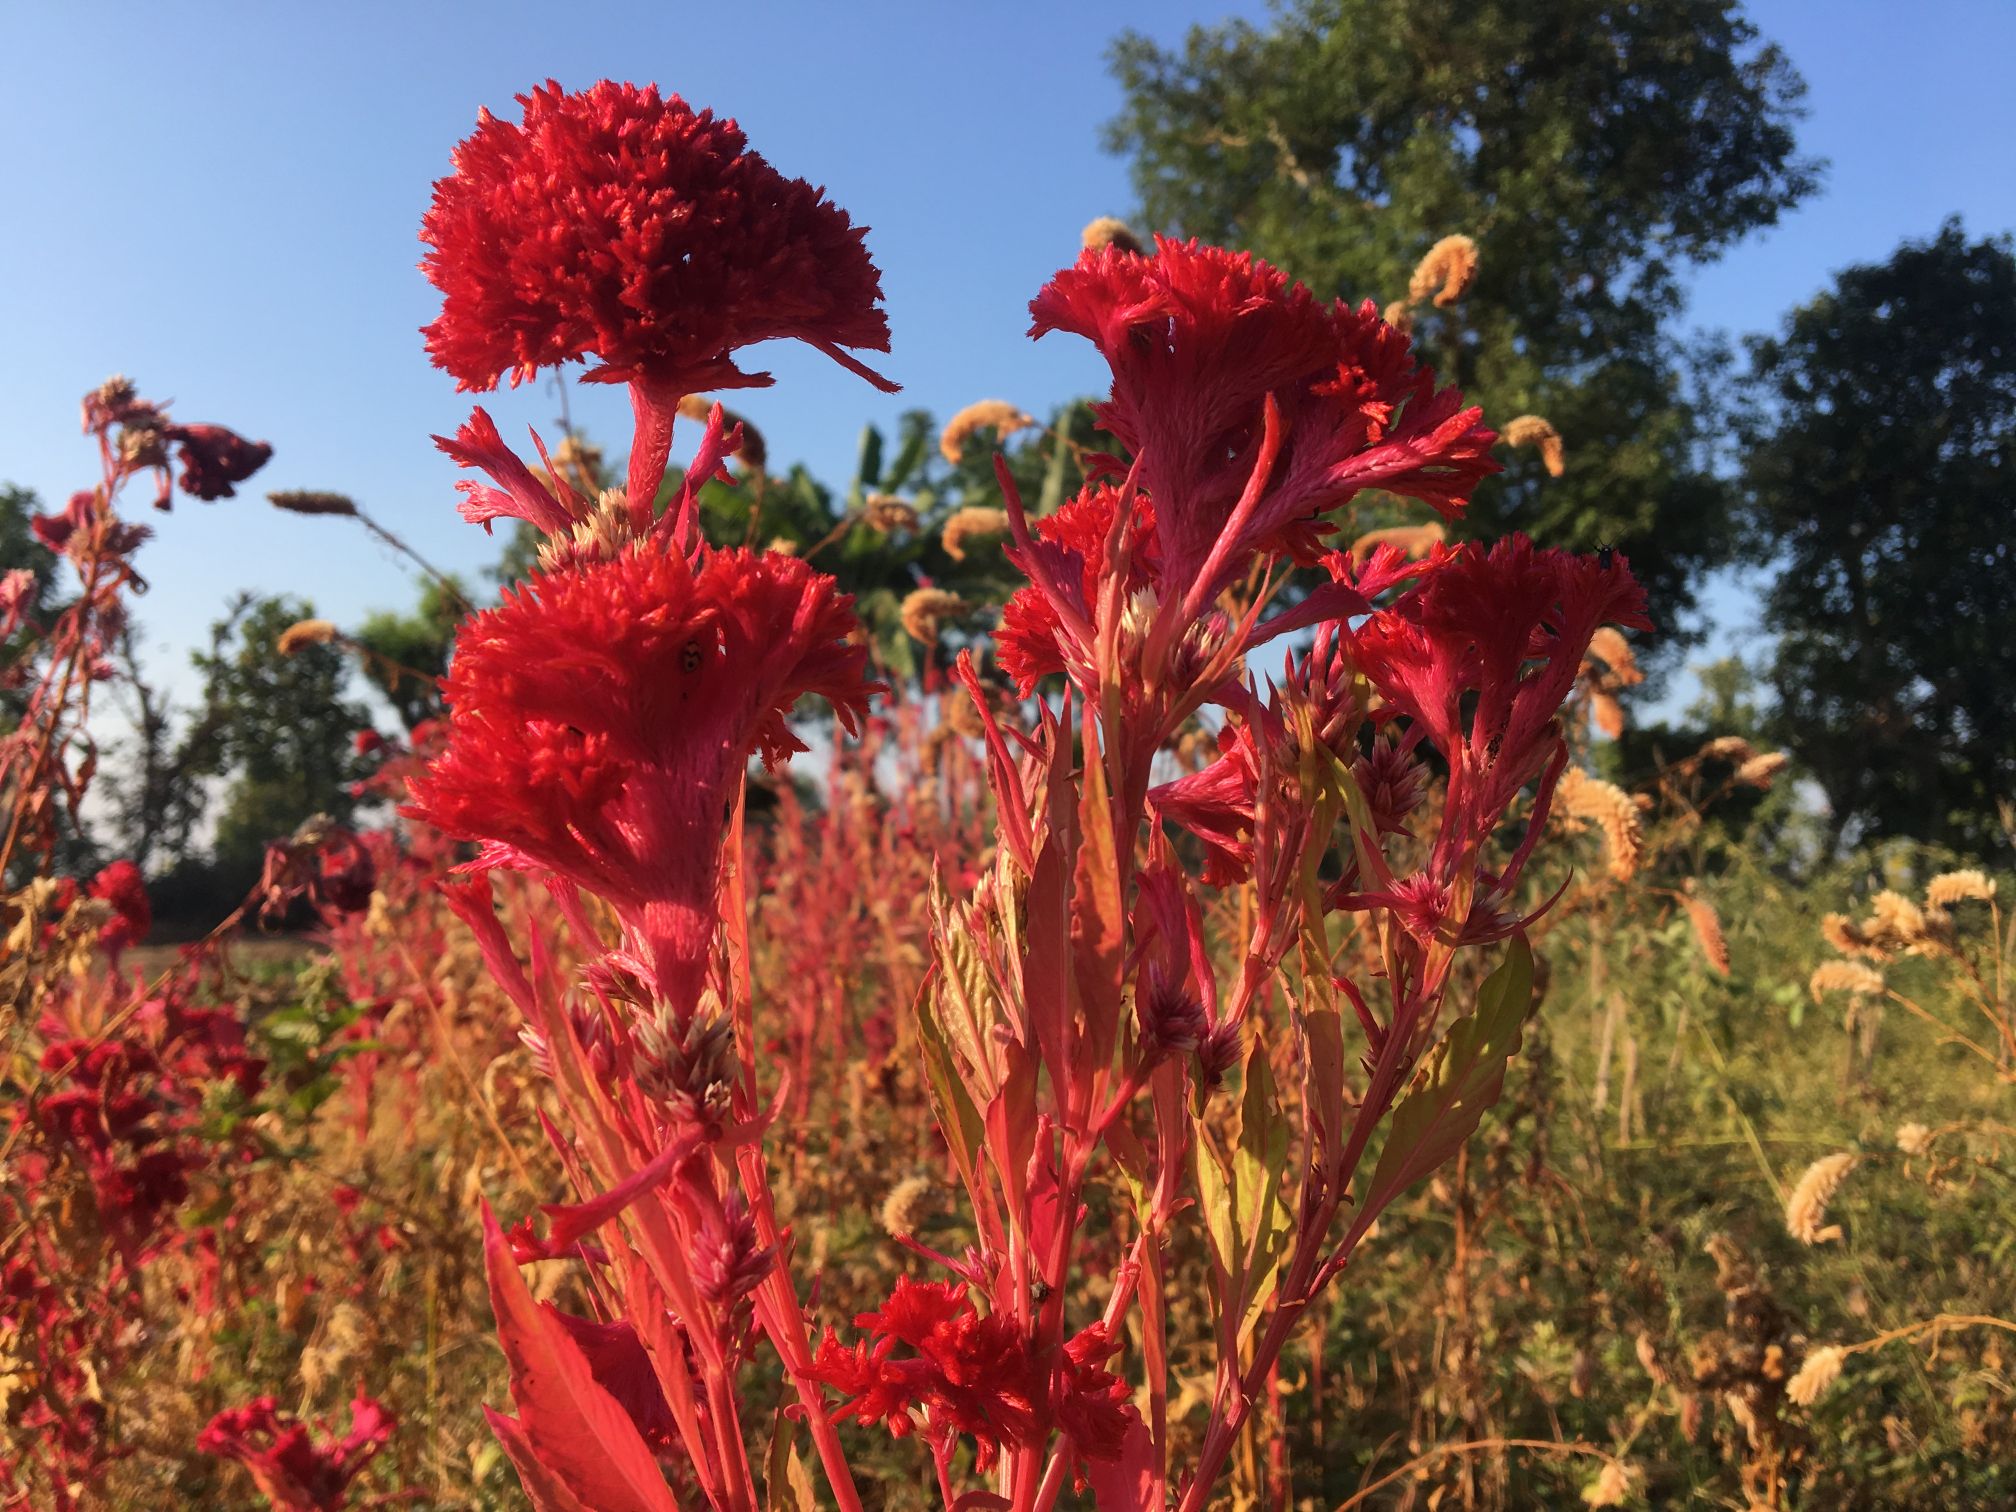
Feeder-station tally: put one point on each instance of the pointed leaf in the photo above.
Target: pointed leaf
(568, 1422)
(545, 1490)
(1455, 1084)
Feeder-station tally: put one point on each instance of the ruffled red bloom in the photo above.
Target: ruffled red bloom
(621, 223)
(972, 1375)
(1071, 543)
(1498, 634)
(601, 718)
(215, 460)
(121, 885)
(295, 1471)
(1251, 407)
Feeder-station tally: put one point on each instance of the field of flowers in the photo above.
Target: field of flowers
(1197, 1027)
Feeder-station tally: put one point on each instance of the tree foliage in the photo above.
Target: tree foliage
(1879, 453)
(278, 726)
(406, 654)
(1593, 151)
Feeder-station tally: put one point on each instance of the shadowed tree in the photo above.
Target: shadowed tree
(1880, 463)
(1593, 151)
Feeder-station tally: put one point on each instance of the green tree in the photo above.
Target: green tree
(1593, 151)
(1879, 453)
(275, 726)
(406, 654)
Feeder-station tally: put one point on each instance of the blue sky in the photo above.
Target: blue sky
(222, 201)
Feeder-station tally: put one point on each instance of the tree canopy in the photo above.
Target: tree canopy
(1879, 454)
(1594, 152)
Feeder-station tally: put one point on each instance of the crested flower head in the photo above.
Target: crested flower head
(619, 222)
(600, 719)
(1498, 635)
(1251, 407)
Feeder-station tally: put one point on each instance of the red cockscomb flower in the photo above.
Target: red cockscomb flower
(1501, 631)
(1251, 407)
(121, 885)
(600, 719)
(296, 1473)
(972, 1375)
(621, 223)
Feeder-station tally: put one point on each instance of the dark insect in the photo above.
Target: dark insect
(1039, 1291)
(689, 659)
(1605, 555)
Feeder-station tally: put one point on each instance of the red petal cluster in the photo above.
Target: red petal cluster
(973, 1375)
(600, 719)
(215, 460)
(1072, 544)
(121, 885)
(295, 1471)
(1201, 343)
(1498, 634)
(621, 223)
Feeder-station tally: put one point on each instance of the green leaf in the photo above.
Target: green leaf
(868, 470)
(1455, 1083)
(1257, 1168)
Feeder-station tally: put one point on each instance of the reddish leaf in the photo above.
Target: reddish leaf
(569, 1424)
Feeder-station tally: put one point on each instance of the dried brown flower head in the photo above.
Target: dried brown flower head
(1845, 976)
(1446, 272)
(906, 1207)
(1760, 771)
(1609, 645)
(926, 609)
(1806, 1208)
(1708, 932)
(1820, 1370)
(997, 415)
(1111, 231)
(1531, 430)
(302, 634)
(1592, 800)
(1914, 1139)
(310, 501)
(1969, 886)
(887, 513)
(1416, 540)
(975, 523)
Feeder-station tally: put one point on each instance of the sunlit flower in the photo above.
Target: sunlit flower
(1480, 655)
(622, 224)
(1251, 407)
(600, 719)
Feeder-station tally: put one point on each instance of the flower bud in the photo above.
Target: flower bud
(687, 1068)
(1170, 1018)
(728, 1262)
